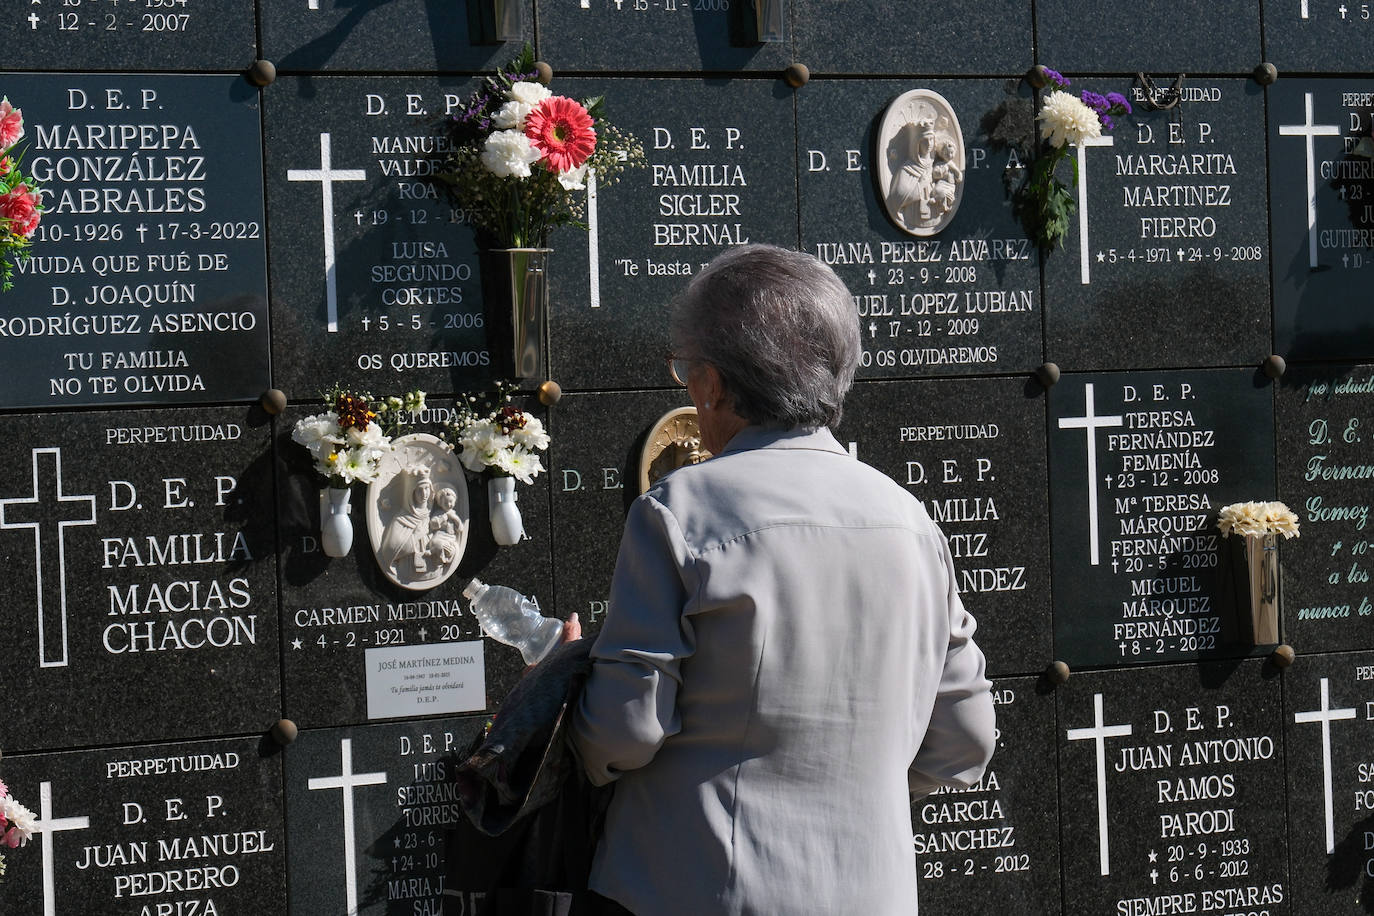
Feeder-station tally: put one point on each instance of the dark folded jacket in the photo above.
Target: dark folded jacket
(534, 820)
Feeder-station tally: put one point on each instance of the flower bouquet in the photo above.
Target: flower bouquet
(1045, 204)
(20, 208)
(494, 438)
(1261, 524)
(519, 154)
(348, 443)
(522, 162)
(16, 824)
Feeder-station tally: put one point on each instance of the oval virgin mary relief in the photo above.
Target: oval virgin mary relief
(920, 162)
(417, 512)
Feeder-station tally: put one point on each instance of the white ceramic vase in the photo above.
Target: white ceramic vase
(506, 525)
(336, 528)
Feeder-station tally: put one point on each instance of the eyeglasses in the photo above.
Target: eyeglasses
(678, 369)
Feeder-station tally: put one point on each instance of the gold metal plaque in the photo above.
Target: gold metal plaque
(674, 440)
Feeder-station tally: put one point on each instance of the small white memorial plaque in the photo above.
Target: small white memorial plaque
(426, 680)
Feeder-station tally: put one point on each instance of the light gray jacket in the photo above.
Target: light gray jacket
(785, 653)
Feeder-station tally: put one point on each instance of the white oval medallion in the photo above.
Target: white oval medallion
(920, 162)
(417, 512)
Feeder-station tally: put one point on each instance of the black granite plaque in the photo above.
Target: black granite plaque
(656, 35)
(964, 449)
(720, 173)
(965, 300)
(1324, 476)
(868, 36)
(375, 283)
(1154, 35)
(1140, 464)
(149, 263)
(978, 848)
(387, 35)
(367, 812)
(1168, 780)
(594, 465)
(1330, 733)
(131, 35)
(1166, 263)
(149, 830)
(1328, 36)
(343, 621)
(140, 547)
(1321, 194)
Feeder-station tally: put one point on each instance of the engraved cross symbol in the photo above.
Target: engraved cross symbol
(1326, 715)
(1091, 424)
(1083, 202)
(1099, 733)
(348, 780)
(47, 825)
(1308, 130)
(326, 176)
(36, 512)
(33, 20)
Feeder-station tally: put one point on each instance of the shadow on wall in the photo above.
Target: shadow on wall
(1352, 865)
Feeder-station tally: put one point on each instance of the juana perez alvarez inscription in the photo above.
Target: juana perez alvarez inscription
(920, 158)
(417, 512)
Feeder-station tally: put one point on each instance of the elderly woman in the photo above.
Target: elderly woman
(785, 653)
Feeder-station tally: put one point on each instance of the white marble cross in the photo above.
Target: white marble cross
(1091, 423)
(43, 505)
(1326, 715)
(348, 780)
(1308, 130)
(326, 175)
(1099, 733)
(47, 825)
(593, 242)
(1083, 258)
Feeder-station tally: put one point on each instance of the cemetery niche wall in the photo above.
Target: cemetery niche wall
(210, 715)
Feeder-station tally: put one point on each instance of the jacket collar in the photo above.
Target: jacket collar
(755, 437)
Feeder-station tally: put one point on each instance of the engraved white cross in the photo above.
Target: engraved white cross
(1308, 130)
(348, 780)
(1091, 424)
(1083, 201)
(1099, 733)
(593, 243)
(1325, 716)
(33, 20)
(326, 176)
(56, 579)
(47, 825)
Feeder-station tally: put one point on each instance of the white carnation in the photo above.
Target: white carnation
(574, 179)
(528, 93)
(509, 153)
(1066, 120)
(511, 116)
(532, 435)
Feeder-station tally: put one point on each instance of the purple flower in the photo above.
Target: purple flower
(1117, 100)
(1094, 101)
(1056, 79)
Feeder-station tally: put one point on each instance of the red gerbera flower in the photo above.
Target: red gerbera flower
(562, 131)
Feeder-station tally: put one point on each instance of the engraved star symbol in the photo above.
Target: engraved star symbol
(1154, 856)
(295, 643)
(398, 842)
(1101, 257)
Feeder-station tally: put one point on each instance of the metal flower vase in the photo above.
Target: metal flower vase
(336, 527)
(1262, 564)
(506, 525)
(515, 289)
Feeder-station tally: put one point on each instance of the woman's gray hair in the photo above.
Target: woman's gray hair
(780, 328)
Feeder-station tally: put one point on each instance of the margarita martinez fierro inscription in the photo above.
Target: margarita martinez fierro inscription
(149, 263)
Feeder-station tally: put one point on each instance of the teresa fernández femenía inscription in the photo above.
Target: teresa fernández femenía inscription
(149, 263)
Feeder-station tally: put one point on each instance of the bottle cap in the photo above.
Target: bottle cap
(473, 589)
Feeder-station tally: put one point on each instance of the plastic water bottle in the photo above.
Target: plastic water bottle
(513, 619)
